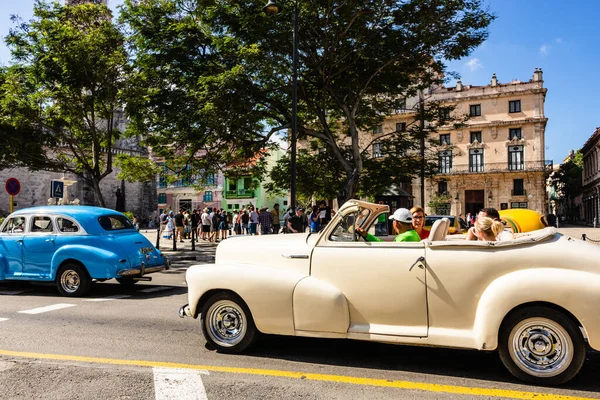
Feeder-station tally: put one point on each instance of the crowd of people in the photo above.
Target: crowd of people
(213, 224)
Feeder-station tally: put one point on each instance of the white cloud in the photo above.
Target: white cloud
(544, 49)
(474, 64)
(559, 40)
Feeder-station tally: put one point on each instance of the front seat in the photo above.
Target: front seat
(439, 230)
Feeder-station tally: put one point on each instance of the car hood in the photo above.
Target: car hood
(279, 251)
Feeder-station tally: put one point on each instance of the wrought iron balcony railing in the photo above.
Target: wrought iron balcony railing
(518, 192)
(541, 165)
(239, 194)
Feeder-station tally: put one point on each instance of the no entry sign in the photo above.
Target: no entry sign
(13, 186)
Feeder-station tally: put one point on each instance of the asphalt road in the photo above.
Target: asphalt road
(120, 343)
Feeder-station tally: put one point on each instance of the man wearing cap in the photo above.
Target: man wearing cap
(402, 224)
(296, 223)
(266, 221)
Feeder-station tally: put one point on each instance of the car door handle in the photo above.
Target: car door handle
(419, 260)
(20, 241)
(294, 255)
(49, 240)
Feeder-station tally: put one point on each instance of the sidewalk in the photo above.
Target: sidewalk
(205, 251)
(576, 231)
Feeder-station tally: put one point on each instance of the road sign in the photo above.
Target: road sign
(58, 189)
(13, 186)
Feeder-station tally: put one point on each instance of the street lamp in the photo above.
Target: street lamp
(273, 8)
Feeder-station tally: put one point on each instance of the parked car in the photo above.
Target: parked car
(533, 299)
(74, 245)
(523, 220)
(457, 224)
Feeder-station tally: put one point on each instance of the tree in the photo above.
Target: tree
(64, 87)
(568, 183)
(224, 68)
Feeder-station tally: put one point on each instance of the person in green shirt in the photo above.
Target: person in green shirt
(402, 219)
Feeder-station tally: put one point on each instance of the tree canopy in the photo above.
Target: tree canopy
(213, 77)
(63, 89)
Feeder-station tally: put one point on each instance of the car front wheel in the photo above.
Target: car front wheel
(227, 323)
(73, 280)
(542, 346)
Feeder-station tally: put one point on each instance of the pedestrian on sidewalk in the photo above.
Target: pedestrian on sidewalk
(266, 221)
(253, 228)
(179, 226)
(169, 230)
(245, 220)
(275, 218)
(237, 227)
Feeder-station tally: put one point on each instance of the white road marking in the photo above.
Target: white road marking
(108, 298)
(3, 319)
(178, 384)
(155, 289)
(53, 307)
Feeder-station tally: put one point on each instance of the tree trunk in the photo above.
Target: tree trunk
(97, 192)
(350, 188)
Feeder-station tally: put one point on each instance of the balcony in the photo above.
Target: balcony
(518, 193)
(530, 166)
(239, 194)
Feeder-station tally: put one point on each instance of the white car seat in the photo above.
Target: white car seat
(439, 230)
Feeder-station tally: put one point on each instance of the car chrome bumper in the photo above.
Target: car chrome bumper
(184, 311)
(141, 271)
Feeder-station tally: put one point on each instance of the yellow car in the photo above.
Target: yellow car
(523, 220)
(457, 225)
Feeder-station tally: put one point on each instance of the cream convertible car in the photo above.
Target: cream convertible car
(534, 299)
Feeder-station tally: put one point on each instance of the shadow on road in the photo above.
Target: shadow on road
(471, 364)
(98, 290)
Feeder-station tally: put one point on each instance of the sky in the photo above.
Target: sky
(558, 36)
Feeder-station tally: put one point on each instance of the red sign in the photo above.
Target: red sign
(13, 186)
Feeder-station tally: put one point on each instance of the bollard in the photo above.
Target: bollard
(583, 237)
(174, 238)
(158, 237)
(194, 239)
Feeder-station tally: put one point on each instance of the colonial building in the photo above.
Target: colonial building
(496, 159)
(217, 190)
(591, 178)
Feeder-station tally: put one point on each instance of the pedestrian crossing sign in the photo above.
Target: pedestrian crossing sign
(58, 189)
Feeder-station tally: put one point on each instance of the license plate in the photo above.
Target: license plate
(146, 250)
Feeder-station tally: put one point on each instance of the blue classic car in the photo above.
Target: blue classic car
(74, 245)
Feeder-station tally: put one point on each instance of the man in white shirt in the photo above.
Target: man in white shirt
(253, 228)
(205, 221)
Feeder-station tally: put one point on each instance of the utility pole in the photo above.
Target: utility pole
(422, 144)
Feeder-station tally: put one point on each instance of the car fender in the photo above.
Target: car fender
(100, 263)
(267, 292)
(3, 267)
(320, 307)
(575, 291)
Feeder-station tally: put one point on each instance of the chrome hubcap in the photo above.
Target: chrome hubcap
(70, 281)
(541, 347)
(226, 323)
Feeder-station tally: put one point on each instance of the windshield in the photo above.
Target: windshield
(430, 219)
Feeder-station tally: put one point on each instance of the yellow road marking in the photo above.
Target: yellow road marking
(427, 387)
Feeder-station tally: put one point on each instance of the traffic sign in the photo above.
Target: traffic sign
(13, 186)
(58, 189)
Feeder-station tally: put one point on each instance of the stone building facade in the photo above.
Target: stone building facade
(496, 159)
(139, 198)
(591, 178)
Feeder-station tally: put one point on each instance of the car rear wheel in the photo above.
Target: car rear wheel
(227, 323)
(541, 345)
(73, 280)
